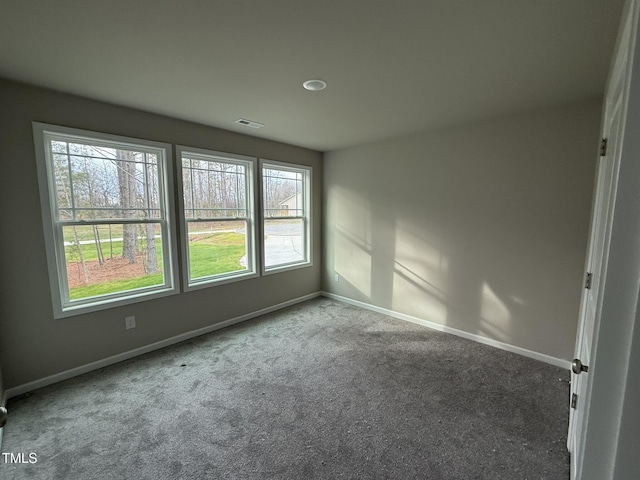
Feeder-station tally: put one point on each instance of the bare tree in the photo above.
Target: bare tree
(278, 186)
(63, 178)
(151, 265)
(127, 190)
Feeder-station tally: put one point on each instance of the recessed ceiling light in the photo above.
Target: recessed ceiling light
(315, 85)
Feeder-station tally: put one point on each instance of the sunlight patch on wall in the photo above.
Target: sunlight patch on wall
(518, 301)
(495, 316)
(420, 276)
(352, 255)
(415, 297)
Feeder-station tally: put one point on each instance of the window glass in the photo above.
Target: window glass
(217, 202)
(286, 215)
(105, 203)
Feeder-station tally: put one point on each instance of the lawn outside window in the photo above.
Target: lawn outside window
(107, 205)
(217, 205)
(286, 216)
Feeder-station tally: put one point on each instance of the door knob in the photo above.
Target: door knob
(3, 416)
(577, 367)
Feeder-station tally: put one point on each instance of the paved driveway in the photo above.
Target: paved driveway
(282, 244)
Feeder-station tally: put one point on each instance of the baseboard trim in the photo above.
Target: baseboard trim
(558, 362)
(105, 362)
(74, 372)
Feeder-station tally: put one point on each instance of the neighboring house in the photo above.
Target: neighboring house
(290, 206)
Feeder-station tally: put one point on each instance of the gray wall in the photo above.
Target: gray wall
(33, 345)
(482, 227)
(627, 462)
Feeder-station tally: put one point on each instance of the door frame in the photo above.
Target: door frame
(605, 188)
(3, 402)
(605, 403)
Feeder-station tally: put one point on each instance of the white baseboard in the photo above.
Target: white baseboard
(74, 372)
(558, 362)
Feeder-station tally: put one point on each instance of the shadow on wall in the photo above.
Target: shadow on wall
(481, 228)
(398, 268)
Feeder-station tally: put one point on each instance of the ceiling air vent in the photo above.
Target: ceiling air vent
(249, 123)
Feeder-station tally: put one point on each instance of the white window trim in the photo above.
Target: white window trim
(55, 247)
(307, 216)
(252, 252)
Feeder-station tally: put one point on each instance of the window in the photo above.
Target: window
(108, 208)
(286, 205)
(217, 204)
(106, 205)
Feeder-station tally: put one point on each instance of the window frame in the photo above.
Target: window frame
(252, 270)
(63, 306)
(306, 217)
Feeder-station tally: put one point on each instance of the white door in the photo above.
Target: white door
(599, 239)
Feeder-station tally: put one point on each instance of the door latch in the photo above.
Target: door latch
(577, 367)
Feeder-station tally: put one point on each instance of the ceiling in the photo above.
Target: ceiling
(392, 67)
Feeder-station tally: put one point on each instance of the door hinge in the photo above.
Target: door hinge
(574, 401)
(587, 282)
(603, 147)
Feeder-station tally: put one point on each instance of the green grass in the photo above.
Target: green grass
(86, 232)
(89, 251)
(215, 253)
(209, 254)
(115, 286)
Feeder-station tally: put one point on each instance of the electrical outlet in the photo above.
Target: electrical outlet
(337, 277)
(130, 322)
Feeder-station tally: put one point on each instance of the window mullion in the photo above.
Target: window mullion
(72, 202)
(111, 221)
(237, 191)
(193, 189)
(147, 192)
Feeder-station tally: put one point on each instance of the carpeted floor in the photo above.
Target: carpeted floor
(318, 390)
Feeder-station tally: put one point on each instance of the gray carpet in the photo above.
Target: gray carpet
(318, 390)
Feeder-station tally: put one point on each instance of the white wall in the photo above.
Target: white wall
(481, 228)
(32, 344)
